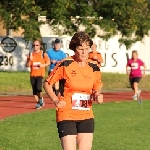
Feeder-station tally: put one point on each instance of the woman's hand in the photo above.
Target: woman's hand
(41, 65)
(127, 72)
(100, 98)
(54, 61)
(96, 96)
(143, 75)
(60, 103)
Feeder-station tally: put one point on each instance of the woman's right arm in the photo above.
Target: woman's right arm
(55, 76)
(128, 69)
(28, 62)
(49, 91)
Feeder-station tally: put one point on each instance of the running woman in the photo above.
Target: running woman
(82, 81)
(37, 60)
(96, 56)
(135, 73)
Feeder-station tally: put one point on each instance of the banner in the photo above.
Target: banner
(14, 51)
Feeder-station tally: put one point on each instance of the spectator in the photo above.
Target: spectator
(82, 80)
(55, 54)
(135, 73)
(37, 60)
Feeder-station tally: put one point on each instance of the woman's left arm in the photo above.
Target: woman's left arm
(97, 85)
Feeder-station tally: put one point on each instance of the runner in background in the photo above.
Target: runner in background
(37, 60)
(55, 54)
(82, 81)
(135, 73)
(96, 56)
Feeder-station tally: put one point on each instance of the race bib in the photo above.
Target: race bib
(80, 101)
(36, 65)
(134, 65)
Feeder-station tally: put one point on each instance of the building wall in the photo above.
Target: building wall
(3, 31)
(14, 51)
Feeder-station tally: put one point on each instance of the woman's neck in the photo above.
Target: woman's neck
(81, 63)
(36, 51)
(135, 59)
(94, 51)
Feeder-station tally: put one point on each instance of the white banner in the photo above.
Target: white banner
(13, 52)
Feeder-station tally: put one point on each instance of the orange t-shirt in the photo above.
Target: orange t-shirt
(38, 58)
(79, 82)
(96, 56)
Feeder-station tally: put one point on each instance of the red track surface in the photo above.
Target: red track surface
(14, 105)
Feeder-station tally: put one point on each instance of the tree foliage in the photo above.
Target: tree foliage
(21, 13)
(128, 18)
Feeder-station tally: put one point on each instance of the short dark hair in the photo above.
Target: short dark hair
(79, 38)
(57, 41)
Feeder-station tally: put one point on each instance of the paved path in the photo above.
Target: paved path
(11, 105)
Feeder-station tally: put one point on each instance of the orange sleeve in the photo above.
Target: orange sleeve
(90, 56)
(46, 58)
(100, 57)
(56, 74)
(97, 78)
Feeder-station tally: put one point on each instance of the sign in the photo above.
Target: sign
(14, 51)
(8, 44)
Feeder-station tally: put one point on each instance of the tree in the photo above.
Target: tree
(131, 18)
(21, 13)
(128, 18)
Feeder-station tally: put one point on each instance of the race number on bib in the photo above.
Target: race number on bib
(36, 65)
(134, 65)
(80, 101)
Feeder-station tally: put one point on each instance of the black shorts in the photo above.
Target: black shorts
(36, 83)
(69, 127)
(136, 79)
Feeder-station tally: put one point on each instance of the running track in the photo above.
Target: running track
(14, 105)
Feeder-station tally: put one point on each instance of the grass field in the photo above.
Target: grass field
(20, 82)
(118, 126)
(14, 82)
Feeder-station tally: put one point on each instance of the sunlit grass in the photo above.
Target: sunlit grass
(118, 126)
(20, 82)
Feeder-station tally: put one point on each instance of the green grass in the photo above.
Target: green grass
(20, 82)
(14, 82)
(118, 126)
(121, 81)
